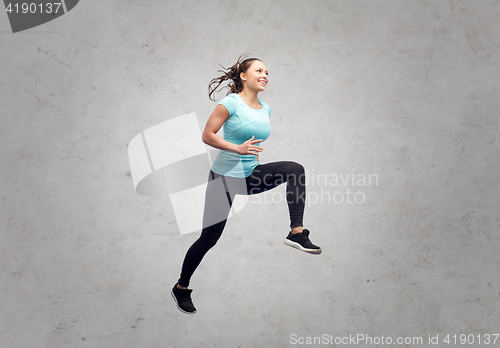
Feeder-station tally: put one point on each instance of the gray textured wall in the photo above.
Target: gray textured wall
(405, 91)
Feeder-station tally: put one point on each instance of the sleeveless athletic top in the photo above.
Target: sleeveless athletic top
(243, 122)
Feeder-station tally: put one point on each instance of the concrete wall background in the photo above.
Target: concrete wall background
(406, 90)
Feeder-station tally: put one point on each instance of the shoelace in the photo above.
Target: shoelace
(301, 238)
(185, 296)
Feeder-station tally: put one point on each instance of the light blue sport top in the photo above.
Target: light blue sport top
(243, 122)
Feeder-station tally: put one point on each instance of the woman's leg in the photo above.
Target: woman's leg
(218, 201)
(267, 176)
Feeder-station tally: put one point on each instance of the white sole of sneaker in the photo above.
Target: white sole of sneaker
(175, 299)
(300, 247)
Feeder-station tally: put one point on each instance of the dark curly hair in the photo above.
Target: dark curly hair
(231, 74)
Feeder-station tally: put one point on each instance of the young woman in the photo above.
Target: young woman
(237, 170)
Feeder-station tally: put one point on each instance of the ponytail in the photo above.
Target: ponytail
(231, 74)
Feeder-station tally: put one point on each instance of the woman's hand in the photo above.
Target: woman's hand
(249, 147)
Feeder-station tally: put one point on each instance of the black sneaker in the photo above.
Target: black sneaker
(301, 241)
(182, 298)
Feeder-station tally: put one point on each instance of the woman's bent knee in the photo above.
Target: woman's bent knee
(296, 168)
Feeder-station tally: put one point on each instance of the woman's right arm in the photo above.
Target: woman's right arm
(210, 137)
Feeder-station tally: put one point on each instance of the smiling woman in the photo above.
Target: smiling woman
(232, 75)
(237, 170)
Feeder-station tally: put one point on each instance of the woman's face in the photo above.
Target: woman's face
(256, 76)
